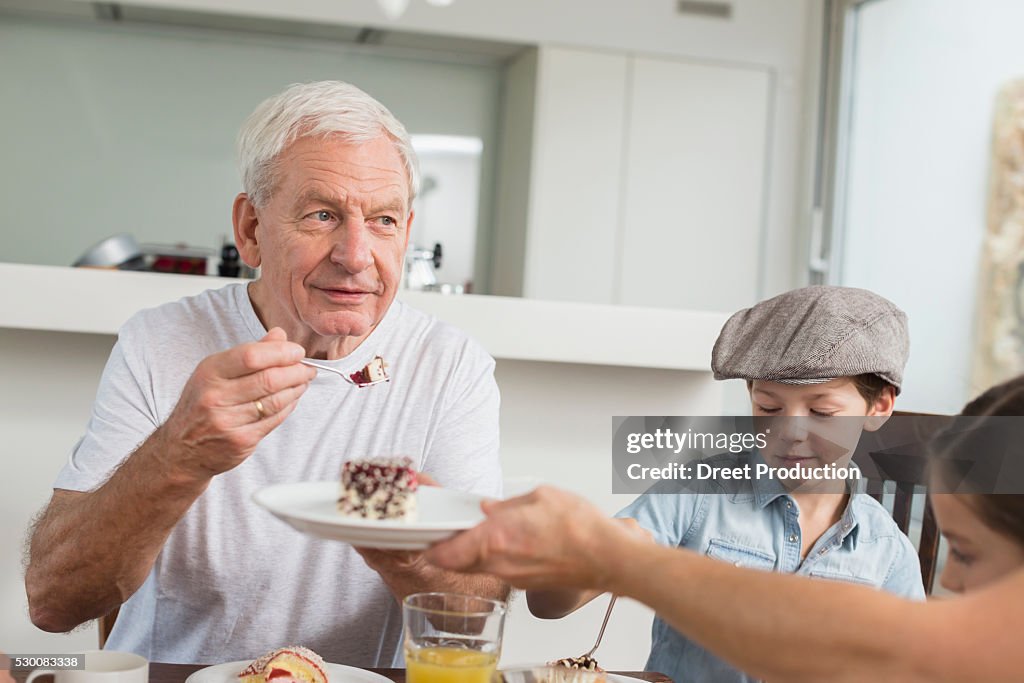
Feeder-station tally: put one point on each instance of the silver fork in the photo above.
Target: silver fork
(604, 624)
(342, 374)
(587, 662)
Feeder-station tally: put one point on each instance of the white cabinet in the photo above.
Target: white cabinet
(576, 175)
(695, 176)
(646, 180)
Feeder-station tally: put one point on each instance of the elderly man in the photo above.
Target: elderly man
(205, 401)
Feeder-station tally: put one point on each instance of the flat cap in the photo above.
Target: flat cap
(812, 335)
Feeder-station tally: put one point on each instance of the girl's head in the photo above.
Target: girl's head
(985, 532)
(985, 535)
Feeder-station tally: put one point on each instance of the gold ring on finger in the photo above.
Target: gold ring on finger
(259, 408)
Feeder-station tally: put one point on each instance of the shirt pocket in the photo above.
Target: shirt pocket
(845, 575)
(741, 556)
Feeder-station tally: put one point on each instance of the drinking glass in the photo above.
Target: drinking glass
(452, 638)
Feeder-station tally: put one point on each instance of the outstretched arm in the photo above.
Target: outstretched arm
(555, 603)
(790, 628)
(775, 626)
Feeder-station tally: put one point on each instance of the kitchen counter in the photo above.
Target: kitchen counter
(62, 299)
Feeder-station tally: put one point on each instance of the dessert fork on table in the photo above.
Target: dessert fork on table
(344, 375)
(587, 661)
(604, 625)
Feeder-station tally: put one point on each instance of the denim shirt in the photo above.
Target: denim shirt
(756, 525)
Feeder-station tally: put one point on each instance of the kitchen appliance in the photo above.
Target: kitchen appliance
(420, 265)
(122, 252)
(177, 258)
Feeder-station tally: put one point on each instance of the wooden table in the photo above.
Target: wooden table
(177, 673)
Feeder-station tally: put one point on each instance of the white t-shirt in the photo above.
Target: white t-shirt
(232, 581)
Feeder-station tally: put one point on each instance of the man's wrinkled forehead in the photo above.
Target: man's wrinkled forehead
(308, 144)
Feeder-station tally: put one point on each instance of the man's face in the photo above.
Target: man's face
(811, 425)
(331, 240)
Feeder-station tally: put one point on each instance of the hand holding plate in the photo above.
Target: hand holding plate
(547, 538)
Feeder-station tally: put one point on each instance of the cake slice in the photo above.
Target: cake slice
(288, 665)
(571, 670)
(379, 488)
(583, 662)
(375, 371)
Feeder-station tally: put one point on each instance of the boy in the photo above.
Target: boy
(809, 356)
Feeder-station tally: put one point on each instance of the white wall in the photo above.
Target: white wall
(132, 129)
(925, 83)
(47, 391)
(555, 423)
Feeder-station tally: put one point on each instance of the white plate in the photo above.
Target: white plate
(312, 508)
(619, 678)
(336, 673)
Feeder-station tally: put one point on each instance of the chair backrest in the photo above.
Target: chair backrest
(106, 625)
(900, 468)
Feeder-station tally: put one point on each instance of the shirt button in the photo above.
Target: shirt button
(789, 504)
(792, 538)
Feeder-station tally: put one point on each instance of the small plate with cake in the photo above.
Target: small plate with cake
(292, 664)
(378, 504)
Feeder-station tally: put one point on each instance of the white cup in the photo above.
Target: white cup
(101, 666)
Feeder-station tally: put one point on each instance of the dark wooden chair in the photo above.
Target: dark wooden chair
(897, 464)
(106, 625)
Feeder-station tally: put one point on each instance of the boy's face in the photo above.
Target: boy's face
(813, 425)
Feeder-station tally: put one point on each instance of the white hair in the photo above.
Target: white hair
(312, 109)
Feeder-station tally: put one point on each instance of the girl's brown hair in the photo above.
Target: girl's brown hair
(1002, 512)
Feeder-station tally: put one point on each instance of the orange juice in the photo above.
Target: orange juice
(449, 665)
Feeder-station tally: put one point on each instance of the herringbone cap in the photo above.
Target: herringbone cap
(813, 335)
